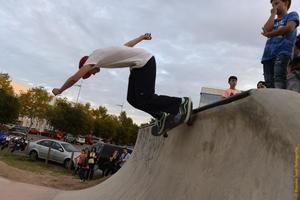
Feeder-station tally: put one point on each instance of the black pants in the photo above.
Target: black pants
(110, 168)
(81, 173)
(91, 172)
(141, 92)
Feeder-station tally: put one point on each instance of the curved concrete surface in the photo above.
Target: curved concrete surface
(240, 151)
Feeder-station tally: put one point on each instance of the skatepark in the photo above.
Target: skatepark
(241, 149)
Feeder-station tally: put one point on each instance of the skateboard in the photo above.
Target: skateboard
(170, 125)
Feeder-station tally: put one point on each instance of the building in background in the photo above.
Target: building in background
(39, 124)
(19, 88)
(210, 95)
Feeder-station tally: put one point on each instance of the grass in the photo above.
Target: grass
(23, 162)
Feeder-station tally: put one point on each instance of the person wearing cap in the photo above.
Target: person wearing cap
(141, 86)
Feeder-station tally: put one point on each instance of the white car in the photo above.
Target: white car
(60, 152)
(80, 140)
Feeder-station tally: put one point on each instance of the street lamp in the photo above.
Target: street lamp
(78, 85)
(121, 106)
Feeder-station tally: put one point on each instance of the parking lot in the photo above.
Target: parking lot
(19, 167)
(39, 137)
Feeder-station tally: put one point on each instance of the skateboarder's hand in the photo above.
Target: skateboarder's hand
(147, 36)
(56, 91)
(274, 10)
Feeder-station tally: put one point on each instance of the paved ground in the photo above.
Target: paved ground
(243, 150)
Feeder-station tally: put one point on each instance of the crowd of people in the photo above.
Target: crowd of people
(88, 162)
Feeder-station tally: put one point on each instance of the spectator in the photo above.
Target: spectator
(111, 166)
(82, 164)
(293, 78)
(261, 84)
(92, 158)
(123, 158)
(232, 81)
(281, 33)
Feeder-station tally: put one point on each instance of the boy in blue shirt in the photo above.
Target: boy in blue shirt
(281, 33)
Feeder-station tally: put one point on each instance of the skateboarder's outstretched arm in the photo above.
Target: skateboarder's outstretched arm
(73, 79)
(132, 43)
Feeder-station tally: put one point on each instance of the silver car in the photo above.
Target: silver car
(60, 152)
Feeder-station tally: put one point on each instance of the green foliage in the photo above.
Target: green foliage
(5, 84)
(9, 107)
(126, 131)
(100, 113)
(106, 127)
(35, 103)
(82, 119)
(119, 130)
(74, 119)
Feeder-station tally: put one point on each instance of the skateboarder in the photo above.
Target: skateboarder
(141, 86)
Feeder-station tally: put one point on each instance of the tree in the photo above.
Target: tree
(5, 84)
(9, 107)
(35, 103)
(70, 118)
(100, 112)
(106, 127)
(82, 119)
(127, 130)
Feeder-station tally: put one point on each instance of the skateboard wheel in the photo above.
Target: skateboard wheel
(166, 135)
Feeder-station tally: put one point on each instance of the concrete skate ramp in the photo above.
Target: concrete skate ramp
(243, 150)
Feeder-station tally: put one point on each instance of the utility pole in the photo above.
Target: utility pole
(121, 106)
(78, 85)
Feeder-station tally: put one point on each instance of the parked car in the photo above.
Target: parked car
(60, 152)
(5, 127)
(45, 133)
(58, 135)
(8, 126)
(91, 140)
(104, 151)
(70, 138)
(34, 131)
(3, 136)
(21, 129)
(80, 140)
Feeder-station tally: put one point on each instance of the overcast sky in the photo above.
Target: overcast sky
(196, 44)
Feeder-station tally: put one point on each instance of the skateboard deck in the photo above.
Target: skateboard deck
(170, 125)
(172, 122)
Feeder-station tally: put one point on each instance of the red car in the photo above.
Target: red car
(33, 131)
(91, 140)
(58, 136)
(46, 134)
(53, 134)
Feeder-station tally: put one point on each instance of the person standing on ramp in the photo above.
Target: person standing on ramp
(141, 86)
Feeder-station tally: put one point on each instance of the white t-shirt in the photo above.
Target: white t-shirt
(118, 57)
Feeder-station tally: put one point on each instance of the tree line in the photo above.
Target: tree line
(65, 116)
